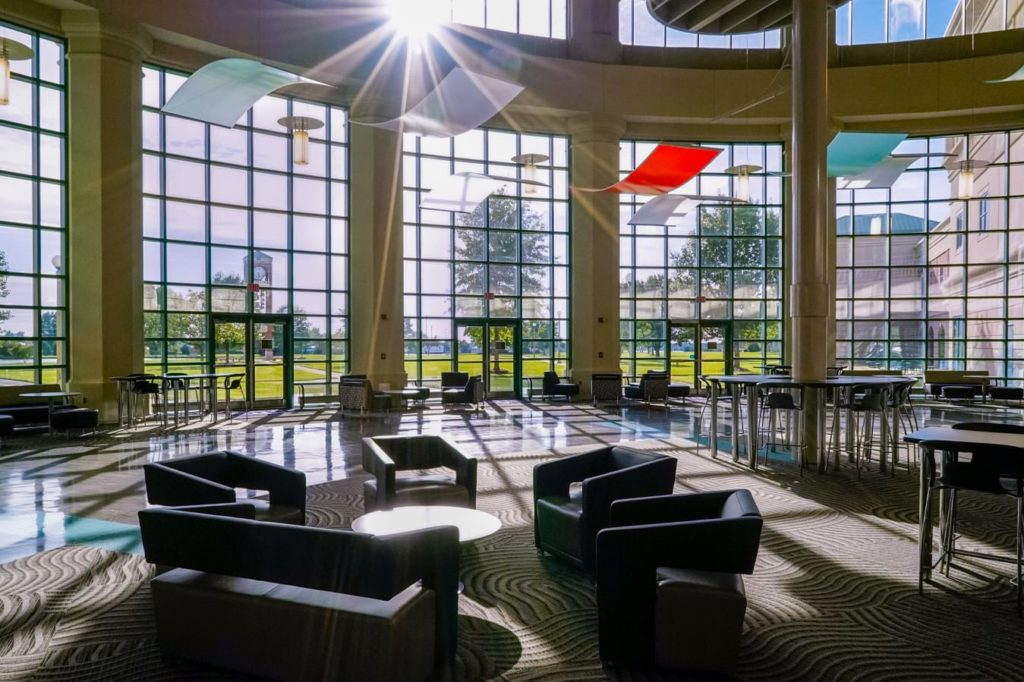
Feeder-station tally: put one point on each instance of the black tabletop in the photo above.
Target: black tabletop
(749, 379)
(947, 438)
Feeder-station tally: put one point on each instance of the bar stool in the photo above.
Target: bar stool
(863, 410)
(903, 409)
(708, 384)
(778, 398)
(234, 384)
(141, 389)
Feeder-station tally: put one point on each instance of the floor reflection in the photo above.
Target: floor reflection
(88, 491)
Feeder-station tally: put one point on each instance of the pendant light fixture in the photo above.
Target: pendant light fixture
(742, 174)
(10, 51)
(300, 127)
(530, 172)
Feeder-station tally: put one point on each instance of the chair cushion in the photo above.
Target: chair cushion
(277, 513)
(430, 489)
(558, 523)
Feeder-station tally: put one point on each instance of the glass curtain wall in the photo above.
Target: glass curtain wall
(232, 225)
(889, 21)
(506, 261)
(638, 27)
(546, 18)
(33, 216)
(926, 279)
(720, 263)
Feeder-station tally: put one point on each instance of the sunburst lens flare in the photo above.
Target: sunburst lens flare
(416, 20)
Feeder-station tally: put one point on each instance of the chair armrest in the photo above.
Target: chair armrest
(465, 466)
(379, 463)
(430, 555)
(286, 486)
(555, 477)
(165, 485)
(656, 477)
(667, 508)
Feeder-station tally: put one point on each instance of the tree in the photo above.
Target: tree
(488, 259)
(748, 248)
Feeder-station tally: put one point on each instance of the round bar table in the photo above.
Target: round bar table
(736, 382)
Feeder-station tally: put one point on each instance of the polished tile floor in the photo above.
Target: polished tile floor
(88, 490)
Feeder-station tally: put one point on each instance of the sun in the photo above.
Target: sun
(416, 19)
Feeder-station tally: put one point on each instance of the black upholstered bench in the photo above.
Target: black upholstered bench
(1006, 393)
(6, 427)
(678, 391)
(80, 418)
(950, 392)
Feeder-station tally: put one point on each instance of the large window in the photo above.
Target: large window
(545, 18)
(710, 280)
(638, 27)
(506, 262)
(889, 21)
(33, 219)
(928, 280)
(233, 226)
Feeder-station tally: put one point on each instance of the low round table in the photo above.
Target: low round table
(472, 524)
(409, 393)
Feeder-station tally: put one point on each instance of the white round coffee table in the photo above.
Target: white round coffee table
(472, 524)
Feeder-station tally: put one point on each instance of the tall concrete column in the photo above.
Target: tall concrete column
(104, 203)
(830, 268)
(594, 30)
(809, 290)
(375, 298)
(809, 294)
(595, 246)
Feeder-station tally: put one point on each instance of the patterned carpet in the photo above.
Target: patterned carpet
(833, 598)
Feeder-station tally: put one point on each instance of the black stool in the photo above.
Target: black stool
(79, 418)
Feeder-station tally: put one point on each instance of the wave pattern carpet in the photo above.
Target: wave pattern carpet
(833, 597)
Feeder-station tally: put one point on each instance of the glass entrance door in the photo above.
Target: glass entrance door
(503, 367)
(490, 350)
(270, 366)
(715, 355)
(683, 353)
(259, 347)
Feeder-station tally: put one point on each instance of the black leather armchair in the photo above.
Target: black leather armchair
(647, 542)
(384, 456)
(553, 387)
(566, 520)
(292, 602)
(212, 479)
(472, 393)
(653, 386)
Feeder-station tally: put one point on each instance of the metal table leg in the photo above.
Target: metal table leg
(735, 392)
(713, 435)
(752, 425)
